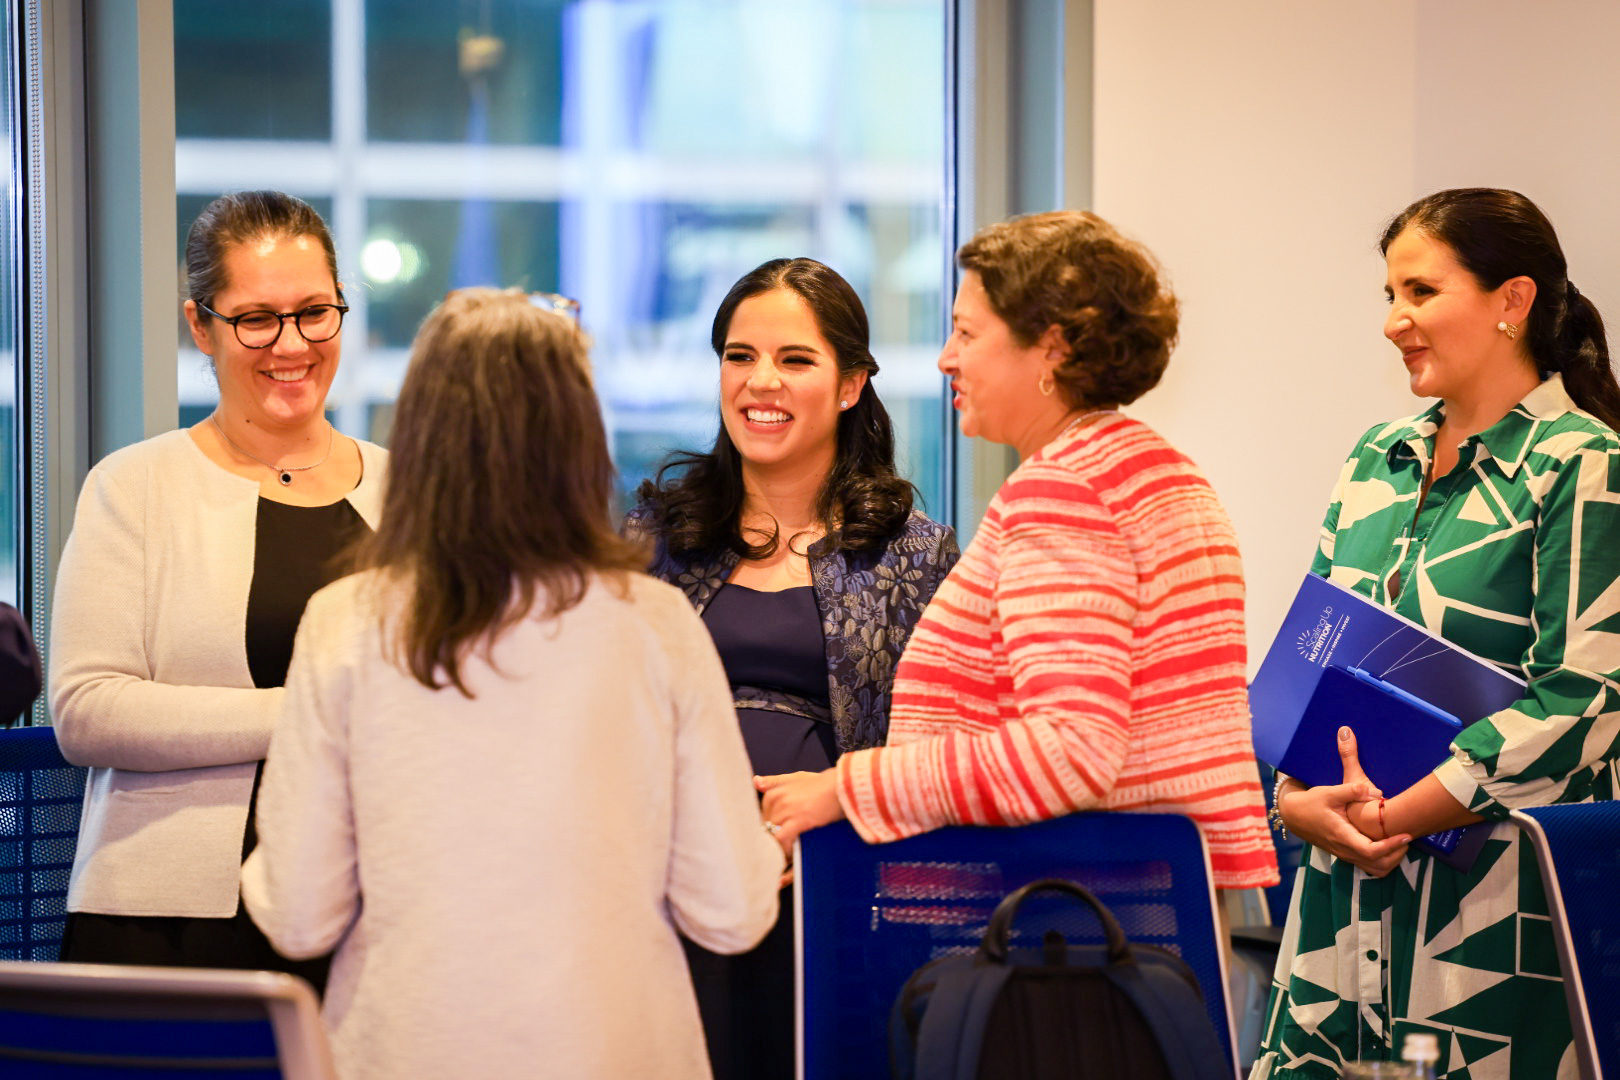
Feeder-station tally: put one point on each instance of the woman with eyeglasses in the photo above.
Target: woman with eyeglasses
(191, 558)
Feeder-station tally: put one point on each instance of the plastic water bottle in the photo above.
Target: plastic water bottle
(1422, 1050)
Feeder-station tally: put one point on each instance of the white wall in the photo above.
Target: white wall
(1258, 147)
(1528, 97)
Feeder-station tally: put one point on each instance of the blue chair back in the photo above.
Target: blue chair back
(73, 1021)
(869, 915)
(1578, 848)
(41, 796)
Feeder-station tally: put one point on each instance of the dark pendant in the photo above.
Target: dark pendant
(1395, 585)
(286, 479)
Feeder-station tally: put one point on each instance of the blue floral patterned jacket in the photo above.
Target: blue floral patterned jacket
(869, 603)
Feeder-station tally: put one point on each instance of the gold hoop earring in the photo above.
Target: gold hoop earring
(1046, 384)
(1510, 329)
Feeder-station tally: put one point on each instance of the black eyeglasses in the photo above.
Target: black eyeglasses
(262, 329)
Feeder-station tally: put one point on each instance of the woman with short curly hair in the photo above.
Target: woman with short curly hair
(1087, 652)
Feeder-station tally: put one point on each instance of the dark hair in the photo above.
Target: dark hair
(239, 217)
(696, 500)
(1497, 235)
(500, 484)
(1104, 293)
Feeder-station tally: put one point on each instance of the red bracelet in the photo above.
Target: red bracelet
(1381, 826)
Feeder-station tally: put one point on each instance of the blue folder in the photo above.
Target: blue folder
(1341, 660)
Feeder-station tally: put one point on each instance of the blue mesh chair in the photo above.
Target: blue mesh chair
(1578, 848)
(40, 799)
(73, 1021)
(868, 915)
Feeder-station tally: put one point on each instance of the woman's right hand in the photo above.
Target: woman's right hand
(1321, 816)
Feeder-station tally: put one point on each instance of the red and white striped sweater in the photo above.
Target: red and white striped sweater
(1087, 652)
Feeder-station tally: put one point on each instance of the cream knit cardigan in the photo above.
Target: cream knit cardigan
(149, 681)
(503, 875)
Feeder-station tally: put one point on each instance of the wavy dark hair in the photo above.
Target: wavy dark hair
(500, 485)
(1104, 293)
(696, 499)
(1498, 234)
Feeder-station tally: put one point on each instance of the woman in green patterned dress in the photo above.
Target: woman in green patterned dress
(1491, 519)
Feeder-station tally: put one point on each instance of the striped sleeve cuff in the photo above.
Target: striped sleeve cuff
(1457, 777)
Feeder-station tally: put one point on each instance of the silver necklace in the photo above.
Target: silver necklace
(284, 473)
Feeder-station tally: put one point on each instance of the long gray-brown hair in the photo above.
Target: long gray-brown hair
(500, 485)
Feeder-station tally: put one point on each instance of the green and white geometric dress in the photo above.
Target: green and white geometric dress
(1515, 556)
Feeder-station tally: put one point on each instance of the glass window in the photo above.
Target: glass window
(253, 71)
(637, 155)
(489, 71)
(419, 249)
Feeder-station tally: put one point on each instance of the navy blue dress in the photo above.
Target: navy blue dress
(776, 659)
(772, 647)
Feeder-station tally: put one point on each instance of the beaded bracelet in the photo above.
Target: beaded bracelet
(1274, 816)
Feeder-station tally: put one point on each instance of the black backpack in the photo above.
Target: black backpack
(1083, 1012)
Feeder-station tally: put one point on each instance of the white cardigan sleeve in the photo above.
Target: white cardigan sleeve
(108, 709)
(301, 884)
(723, 865)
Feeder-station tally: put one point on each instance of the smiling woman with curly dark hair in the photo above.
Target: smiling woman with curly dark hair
(797, 541)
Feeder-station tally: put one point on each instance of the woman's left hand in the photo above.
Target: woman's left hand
(1328, 816)
(798, 802)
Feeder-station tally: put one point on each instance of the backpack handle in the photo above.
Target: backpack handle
(994, 945)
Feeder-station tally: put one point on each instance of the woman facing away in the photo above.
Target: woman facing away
(508, 770)
(1088, 650)
(180, 589)
(797, 542)
(1487, 518)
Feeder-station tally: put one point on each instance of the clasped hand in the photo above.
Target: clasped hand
(1342, 818)
(798, 802)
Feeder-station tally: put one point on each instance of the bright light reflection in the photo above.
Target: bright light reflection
(382, 261)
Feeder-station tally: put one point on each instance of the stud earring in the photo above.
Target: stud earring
(843, 404)
(1510, 329)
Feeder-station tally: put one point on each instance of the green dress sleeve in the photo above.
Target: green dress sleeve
(1556, 744)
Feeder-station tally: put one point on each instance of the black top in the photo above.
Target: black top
(772, 647)
(295, 554)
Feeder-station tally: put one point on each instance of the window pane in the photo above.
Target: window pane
(639, 156)
(253, 71)
(417, 250)
(428, 62)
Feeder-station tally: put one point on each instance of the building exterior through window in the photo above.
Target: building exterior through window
(639, 156)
